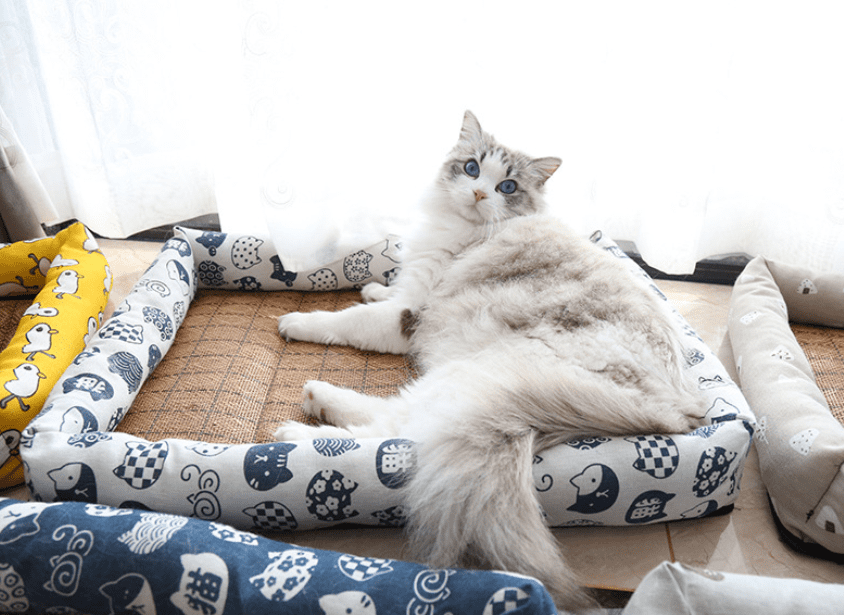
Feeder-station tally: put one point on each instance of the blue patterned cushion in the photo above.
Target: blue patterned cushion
(88, 558)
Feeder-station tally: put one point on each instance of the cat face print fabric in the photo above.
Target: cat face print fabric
(72, 452)
(88, 558)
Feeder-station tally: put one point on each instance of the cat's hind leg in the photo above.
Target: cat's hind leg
(290, 431)
(351, 414)
(294, 430)
(340, 406)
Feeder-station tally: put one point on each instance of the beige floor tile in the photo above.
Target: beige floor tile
(614, 557)
(746, 541)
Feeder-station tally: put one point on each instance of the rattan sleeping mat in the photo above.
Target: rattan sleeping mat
(824, 347)
(230, 378)
(11, 312)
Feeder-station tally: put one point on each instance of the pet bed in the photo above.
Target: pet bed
(87, 558)
(799, 439)
(71, 280)
(307, 484)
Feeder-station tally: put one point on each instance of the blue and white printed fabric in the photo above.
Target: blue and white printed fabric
(70, 451)
(87, 558)
(225, 261)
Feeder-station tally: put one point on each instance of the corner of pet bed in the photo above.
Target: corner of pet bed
(799, 441)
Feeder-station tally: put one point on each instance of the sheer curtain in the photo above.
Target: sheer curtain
(692, 130)
(120, 105)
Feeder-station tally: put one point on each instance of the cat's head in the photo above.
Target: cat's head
(486, 182)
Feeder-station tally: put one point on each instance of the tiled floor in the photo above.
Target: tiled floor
(744, 541)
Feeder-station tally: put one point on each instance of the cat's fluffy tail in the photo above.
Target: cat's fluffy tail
(472, 500)
(472, 503)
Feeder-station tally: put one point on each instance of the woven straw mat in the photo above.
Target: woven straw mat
(824, 347)
(231, 378)
(11, 312)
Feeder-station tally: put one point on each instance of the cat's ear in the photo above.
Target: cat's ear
(471, 129)
(543, 168)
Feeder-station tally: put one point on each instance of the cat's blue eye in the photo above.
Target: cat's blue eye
(472, 168)
(508, 186)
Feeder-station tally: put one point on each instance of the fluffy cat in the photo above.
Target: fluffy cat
(526, 336)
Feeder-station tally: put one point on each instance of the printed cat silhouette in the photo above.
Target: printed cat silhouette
(74, 482)
(18, 520)
(131, 593)
(265, 465)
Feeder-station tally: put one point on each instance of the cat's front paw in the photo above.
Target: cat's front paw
(290, 431)
(293, 430)
(293, 326)
(306, 327)
(375, 291)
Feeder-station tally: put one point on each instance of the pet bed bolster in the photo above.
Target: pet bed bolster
(96, 559)
(71, 281)
(307, 484)
(799, 442)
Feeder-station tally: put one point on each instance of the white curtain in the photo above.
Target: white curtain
(120, 105)
(692, 129)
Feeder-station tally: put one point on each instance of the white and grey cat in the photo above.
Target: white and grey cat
(526, 336)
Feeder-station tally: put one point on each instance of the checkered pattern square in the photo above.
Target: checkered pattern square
(273, 516)
(116, 330)
(506, 600)
(362, 568)
(658, 455)
(142, 465)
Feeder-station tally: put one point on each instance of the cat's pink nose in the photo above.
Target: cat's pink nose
(479, 195)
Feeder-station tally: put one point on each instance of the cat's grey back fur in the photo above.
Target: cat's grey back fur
(534, 279)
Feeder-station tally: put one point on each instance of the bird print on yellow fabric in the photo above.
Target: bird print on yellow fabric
(39, 340)
(68, 284)
(25, 384)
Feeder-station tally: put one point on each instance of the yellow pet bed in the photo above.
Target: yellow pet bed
(72, 280)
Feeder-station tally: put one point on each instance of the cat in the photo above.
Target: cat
(526, 336)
